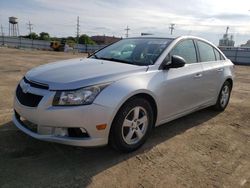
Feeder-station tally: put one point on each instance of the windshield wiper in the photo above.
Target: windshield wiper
(94, 56)
(114, 59)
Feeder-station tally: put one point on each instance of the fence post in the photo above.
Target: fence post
(3, 39)
(20, 42)
(236, 55)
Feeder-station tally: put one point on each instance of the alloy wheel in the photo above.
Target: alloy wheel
(225, 95)
(135, 125)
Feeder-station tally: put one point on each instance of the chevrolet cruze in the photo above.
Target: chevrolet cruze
(120, 93)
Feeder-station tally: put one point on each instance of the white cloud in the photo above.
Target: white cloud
(110, 17)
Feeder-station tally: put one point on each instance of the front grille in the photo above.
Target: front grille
(35, 84)
(27, 99)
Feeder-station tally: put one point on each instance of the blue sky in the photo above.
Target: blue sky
(203, 18)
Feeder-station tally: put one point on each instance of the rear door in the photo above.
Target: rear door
(219, 68)
(212, 70)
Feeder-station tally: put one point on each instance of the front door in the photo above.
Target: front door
(182, 87)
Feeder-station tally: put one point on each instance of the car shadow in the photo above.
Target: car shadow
(25, 161)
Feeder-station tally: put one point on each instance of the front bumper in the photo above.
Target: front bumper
(51, 119)
(86, 142)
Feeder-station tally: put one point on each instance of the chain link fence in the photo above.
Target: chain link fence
(237, 55)
(19, 42)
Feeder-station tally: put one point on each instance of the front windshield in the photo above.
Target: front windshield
(137, 51)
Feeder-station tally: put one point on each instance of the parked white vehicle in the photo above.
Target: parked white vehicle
(121, 92)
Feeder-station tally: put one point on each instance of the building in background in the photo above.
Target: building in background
(13, 27)
(247, 45)
(104, 40)
(227, 40)
(238, 55)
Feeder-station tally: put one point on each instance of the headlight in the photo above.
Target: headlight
(81, 96)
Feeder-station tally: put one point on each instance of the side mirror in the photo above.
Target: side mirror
(176, 62)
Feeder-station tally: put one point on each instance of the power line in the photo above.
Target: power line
(127, 29)
(30, 27)
(171, 28)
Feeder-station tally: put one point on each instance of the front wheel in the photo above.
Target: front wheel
(223, 97)
(131, 125)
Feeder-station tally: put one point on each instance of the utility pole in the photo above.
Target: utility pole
(127, 29)
(171, 28)
(30, 27)
(77, 29)
(2, 33)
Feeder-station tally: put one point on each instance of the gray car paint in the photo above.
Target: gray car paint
(172, 90)
(77, 73)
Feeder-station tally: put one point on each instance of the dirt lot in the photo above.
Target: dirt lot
(204, 149)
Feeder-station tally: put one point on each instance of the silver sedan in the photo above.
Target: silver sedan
(118, 94)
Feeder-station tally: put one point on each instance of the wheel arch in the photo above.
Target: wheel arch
(230, 80)
(143, 95)
(151, 100)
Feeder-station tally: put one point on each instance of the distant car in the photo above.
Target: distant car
(121, 92)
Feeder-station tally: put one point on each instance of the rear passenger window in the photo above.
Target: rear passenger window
(206, 52)
(186, 50)
(217, 54)
(221, 57)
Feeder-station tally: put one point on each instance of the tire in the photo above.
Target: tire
(223, 97)
(132, 125)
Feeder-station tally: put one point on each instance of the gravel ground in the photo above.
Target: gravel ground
(204, 149)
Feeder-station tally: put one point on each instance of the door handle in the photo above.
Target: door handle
(220, 70)
(198, 75)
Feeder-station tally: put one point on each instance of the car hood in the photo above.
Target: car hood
(77, 73)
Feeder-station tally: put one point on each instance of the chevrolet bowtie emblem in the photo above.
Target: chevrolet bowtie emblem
(25, 87)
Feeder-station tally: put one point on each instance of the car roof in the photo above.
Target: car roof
(171, 38)
(178, 38)
(151, 37)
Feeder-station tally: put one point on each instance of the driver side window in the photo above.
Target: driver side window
(186, 50)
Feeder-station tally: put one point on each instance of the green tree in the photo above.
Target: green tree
(70, 42)
(55, 39)
(44, 36)
(85, 39)
(70, 38)
(33, 35)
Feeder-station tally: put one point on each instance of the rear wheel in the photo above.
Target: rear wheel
(223, 97)
(131, 125)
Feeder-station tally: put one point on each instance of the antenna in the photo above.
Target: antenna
(171, 28)
(127, 29)
(143, 34)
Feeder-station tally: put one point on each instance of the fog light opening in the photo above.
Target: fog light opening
(60, 132)
(83, 130)
(77, 132)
